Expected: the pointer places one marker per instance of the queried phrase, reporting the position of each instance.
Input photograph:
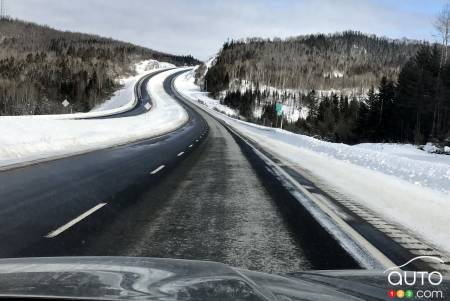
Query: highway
(201, 192)
(195, 193)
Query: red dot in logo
(392, 294)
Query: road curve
(196, 193)
(141, 95)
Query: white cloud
(200, 27)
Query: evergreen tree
(387, 114)
(421, 98)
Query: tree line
(413, 109)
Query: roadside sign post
(65, 104)
(279, 110)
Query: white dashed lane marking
(158, 169)
(74, 221)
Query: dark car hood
(126, 278)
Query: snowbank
(24, 139)
(404, 185)
(406, 151)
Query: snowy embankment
(406, 186)
(25, 139)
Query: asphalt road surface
(195, 193)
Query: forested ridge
(408, 87)
(348, 60)
(41, 66)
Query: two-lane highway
(196, 193)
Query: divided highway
(195, 193)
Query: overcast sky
(199, 27)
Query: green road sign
(279, 108)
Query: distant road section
(123, 98)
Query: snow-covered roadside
(397, 182)
(406, 151)
(24, 139)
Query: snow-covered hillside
(403, 184)
(25, 139)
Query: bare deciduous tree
(350, 62)
(442, 24)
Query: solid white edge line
(180, 154)
(63, 228)
(157, 170)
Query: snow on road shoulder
(186, 84)
(401, 184)
(28, 139)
